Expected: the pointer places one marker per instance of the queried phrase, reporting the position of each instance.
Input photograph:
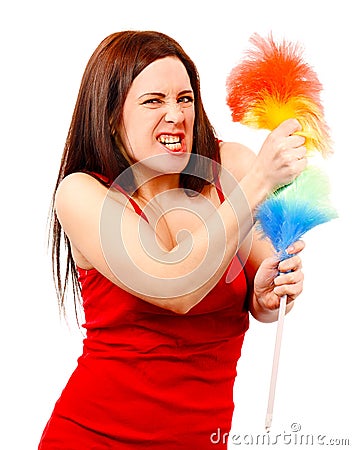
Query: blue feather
(295, 209)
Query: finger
(296, 247)
(288, 127)
(295, 141)
(288, 279)
(290, 290)
(290, 264)
(300, 152)
(299, 166)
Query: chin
(166, 163)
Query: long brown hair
(93, 146)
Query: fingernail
(290, 249)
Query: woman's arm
(258, 256)
(113, 239)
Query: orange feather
(274, 83)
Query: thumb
(271, 262)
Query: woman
(157, 217)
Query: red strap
(136, 207)
(217, 182)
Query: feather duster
(274, 83)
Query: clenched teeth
(172, 142)
(168, 139)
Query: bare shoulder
(236, 158)
(77, 189)
(72, 182)
(78, 202)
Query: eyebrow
(160, 94)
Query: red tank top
(150, 378)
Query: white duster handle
(271, 397)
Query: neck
(157, 185)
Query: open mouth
(171, 142)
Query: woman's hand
(282, 155)
(273, 280)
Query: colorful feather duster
(273, 83)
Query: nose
(174, 113)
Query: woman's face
(158, 115)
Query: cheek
(135, 137)
(190, 121)
(189, 116)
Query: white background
(45, 46)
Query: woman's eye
(152, 101)
(184, 101)
(187, 99)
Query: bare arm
(169, 278)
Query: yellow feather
(269, 111)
